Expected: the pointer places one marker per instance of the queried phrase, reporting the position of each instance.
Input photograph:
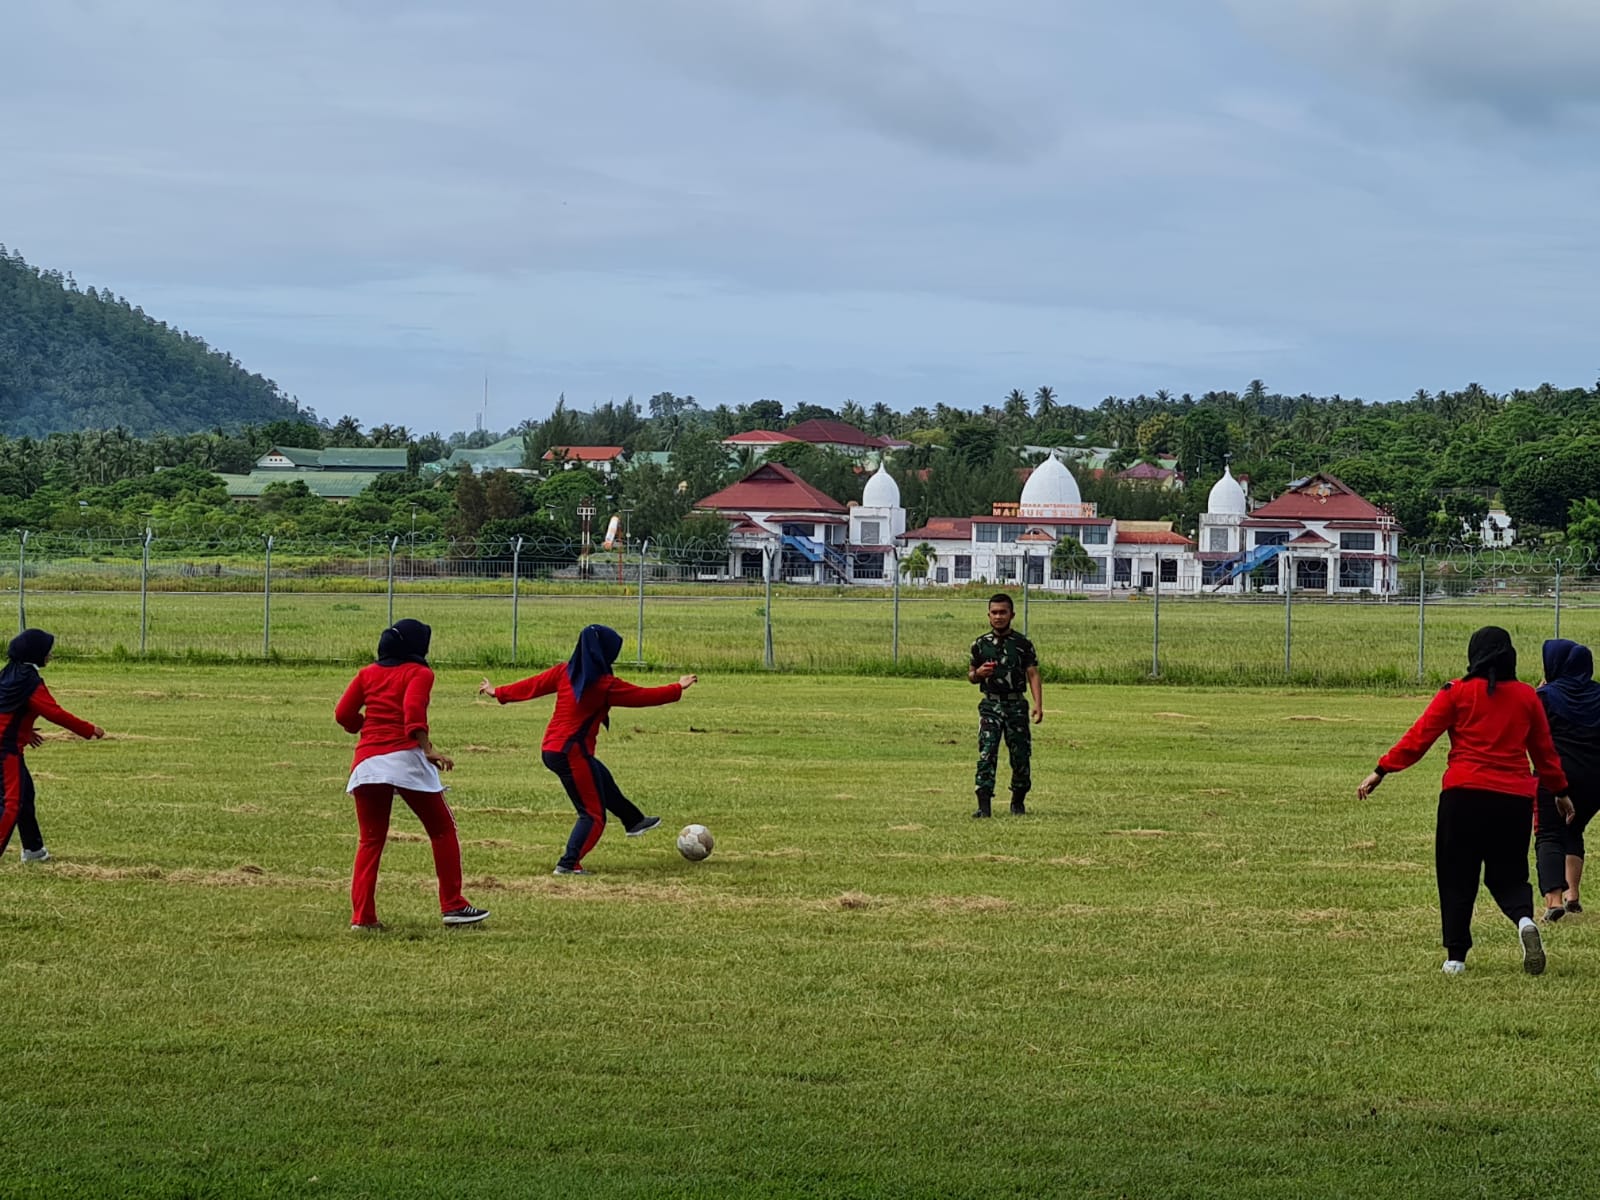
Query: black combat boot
(1018, 808)
(983, 804)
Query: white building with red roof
(605, 459)
(1319, 534)
(1016, 543)
(780, 524)
(759, 440)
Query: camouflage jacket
(1012, 656)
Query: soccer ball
(695, 842)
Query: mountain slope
(72, 359)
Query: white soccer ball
(695, 842)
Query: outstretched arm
(44, 704)
(542, 684)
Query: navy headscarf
(1569, 690)
(598, 647)
(20, 678)
(1491, 656)
(406, 641)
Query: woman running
(387, 705)
(1571, 701)
(585, 692)
(1486, 807)
(23, 700)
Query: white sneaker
(1454, 966)
(42, 854)
(1532, 947)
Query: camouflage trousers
(1004, 717)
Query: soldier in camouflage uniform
(1006, 670)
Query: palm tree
(1069, 560)
(917, 564)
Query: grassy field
(1199, 968)
(1203, 641)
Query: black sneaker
(465, 916)
(1552, 915)
(1574, 907)
(1018, 809)
(644, 826)
(982, 813)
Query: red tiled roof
(1309, 539)
(584, 453)
(1321, 497)
(757, 437)
(1151, 537)
(942, 529)
(771, 487)
(819, 430)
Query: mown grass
(1199, 968)
(1204, 641)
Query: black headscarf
(1569, 690)
(1491, 656)
(406, 641)
(598, 647)
(20, 678)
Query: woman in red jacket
(395, 754)
(23, 700)
(585, 692)
(1486, 808)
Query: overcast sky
(377, 202)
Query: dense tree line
(78, 359)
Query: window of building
(1355, 572)
(868, 566)
(963, 567)
(1169, 570)
(1122, 570)
(986, 533)
(871, 531)
(1035, 570)
(1217, 539)
(1311, 574)
(941, 574)
(1005, 567)
(1094, 535)
(750, 564)
(1098, 575)
(1272, 537)
(1358, 541)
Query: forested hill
(84, 359)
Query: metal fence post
(771, 563)
(1024, 593)
(266, 609)
(516, 574)
(393, 542)
(144, 591)
(1422, 617)
(22, 587)
(1155, 633)
(1558, 597)
(894, 637)
(638, 640)
(1287, 576)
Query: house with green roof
(336, 473)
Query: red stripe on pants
(373, 804)
(589, 793)
(11, 782)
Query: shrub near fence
(205, 599)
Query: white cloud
(1527, 59)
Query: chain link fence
(519, 602)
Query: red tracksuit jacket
(17, 727)
(396, 700)
(575, 721)
(1491, 739)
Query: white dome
(881, 490)
(1050, 485)
(1227, 497)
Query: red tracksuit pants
(373, 804)
(16, 787)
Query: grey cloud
(868, 62)
(1526, 59)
